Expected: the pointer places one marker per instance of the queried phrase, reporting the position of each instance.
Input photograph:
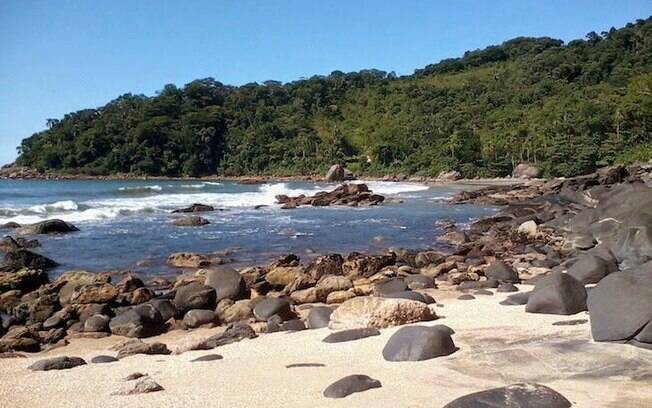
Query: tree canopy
(565, 107)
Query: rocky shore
(575, 252)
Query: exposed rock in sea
(22, 258)
(54, 226)
(195, 208)
(192, 221)
(352, 195)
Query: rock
(557, 293)
(513, 396)
(188, 260)
(309, 295)
(134, 347)
(480, 284)
(591, 269)
(319, 316)
(192, 221)
(140, 295)
(199, 317)
(325, 265)
(97, 323)
(507, 287)
(57, 363)
(194, 208)
(454, 238)
(139, 321)
(234, 333)
(339, 296)
(134, 376)
(103, 359)
(526, 171)
(410, 295)
(269, 307)
(335, 173)
(528, 228)
(330, 283)
(239, 311)
(426, 258)
(195, 296)
(22, 280)
(54, 226)
(303, 365)
(416, 343)
(466, 297)
(283, 275)
(502, 272)
(415, 282)
(517, 299)
(390, 286)
(22, 258)
(620, 305)
(165, 308)
(452, 175)
(26, 344)
(292, 325)
(351, 334)
(93, 293)
(378, 312)
(366, 265)
(207, 357)
(349, 385)
(143, 386)
(227, 282)
(10, 225)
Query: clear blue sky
(61, 56)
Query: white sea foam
(67, 205)
(391, 187)
(141, 188)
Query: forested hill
(567, 107)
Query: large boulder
(620, 305)
(199, 317)
(591, 269)
(513, 396)
(416, 343)
(195, 296)
(139, 321)
(557, 293)
(357, 264)
(133, 347)
(502, 272)
(23, 280)
(227, 282)
(330, 264)
(349, 385)
(335, 173)
(526, 171)
(319, 316)
(22, 258)
(188, 260)
(367, 311)
(234, 333)
(48, 227)
(93, 293)
(269, 307)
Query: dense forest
(568, 108)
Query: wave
(138, 189)
(67, 205)
(391, 187)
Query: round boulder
(557, 293)
(416, 343)
(198, 317)
(195, 296)
(513, 396)
(502, 272)
(269, 307)
(227, 282)
(318, 317)
(349, 385)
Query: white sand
(499, 345)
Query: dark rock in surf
(54, 226)
(194, 208)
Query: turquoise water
(123, 222)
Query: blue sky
(61, 56)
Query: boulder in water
(54, 226)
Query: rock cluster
(352, 195)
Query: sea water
(124, 222)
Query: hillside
(566, 107)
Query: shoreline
(477, 290)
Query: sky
(62, 56)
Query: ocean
(124, 222)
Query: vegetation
(565, 107)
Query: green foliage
(567, 108)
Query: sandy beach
(498, 345)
